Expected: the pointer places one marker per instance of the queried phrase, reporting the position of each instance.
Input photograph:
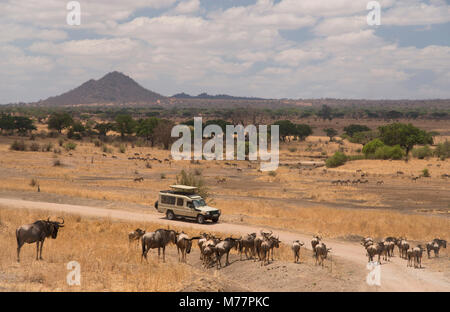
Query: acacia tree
(331, 133)
(146, 128)
(163, 132)
(59, 121)
(405, 135)
(125, 124)
(104, 128)
(303, 131)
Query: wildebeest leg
(19, 245)
(37, 250)
(164, 253)
(40, 251)
(227, 263)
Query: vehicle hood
(207, 209)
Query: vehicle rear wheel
(170, 215)
(200, 219)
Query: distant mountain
(214, 97)
(115, 88)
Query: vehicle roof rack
(184, 188)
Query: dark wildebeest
(266, 246)
(36, 233)
(184, 244)
(223, 248)
(247, 243)
(158, 239)
(135, 235)
(435, 245)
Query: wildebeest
(320, 253)
(247, 244)
(184, 244)
(266, 246)
(135, 235)
(158, 239)
(315, 241)
(223, 248)
(36, 233)
(296, 249)
(435, 245)
(417, 253)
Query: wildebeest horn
(62, 220)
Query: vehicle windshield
(199, 203)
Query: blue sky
(261, 48)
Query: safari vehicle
(182, 201)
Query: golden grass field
(279, 201)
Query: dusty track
(395, 276)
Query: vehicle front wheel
(170, 215)
(200, 219)
(215, 220)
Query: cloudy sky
(263, 48)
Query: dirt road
(395, 276)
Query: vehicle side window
(190, 204)
(179, 201)
(169, 200)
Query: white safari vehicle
(183, 202)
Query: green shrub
(292, 149)
(372, 146)
(338, 159)
(426, 173)
(189, 178)
(389, 152)
(422, 152)
(272, 173)
(122, 148)
(70, 146)
(443, 150)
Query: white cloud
(240, 50)
(186, 7)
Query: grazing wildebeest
(247, 243)
(135, 235)
(435, 245)
(36, 233)
(184, 244)
(296, 249)
(223, 248)
(158, 239)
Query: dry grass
(339, 222)
(112, 179)
(101, 247)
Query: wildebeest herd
(259, 247)
(413, 255)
